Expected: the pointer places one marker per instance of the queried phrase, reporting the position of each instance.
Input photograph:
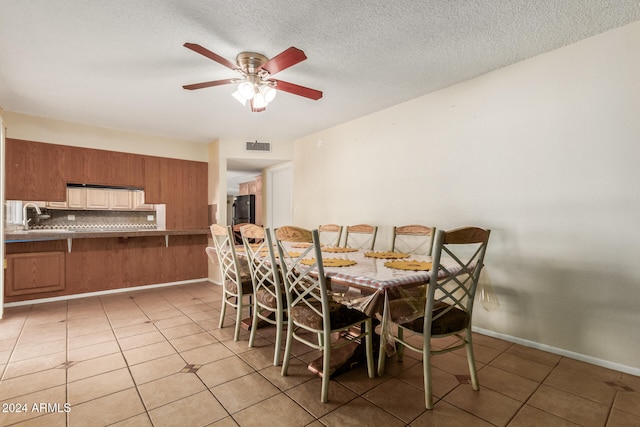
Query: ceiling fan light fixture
(259, 101)
(245, 90)
(268, 93)
(239, 97)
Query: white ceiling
(121, 64)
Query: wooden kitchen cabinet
(137, 199)
(76, 197)
(97, 198)
(34, 273)
(120, 199)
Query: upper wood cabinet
(40, 171)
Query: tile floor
(156, 357)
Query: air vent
(258, 146)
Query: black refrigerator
(244, 209)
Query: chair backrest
(302, 270)
(330, 234)
(361, 236)
(231, 269)
(258, 245)
(458, 257)
(413, 239)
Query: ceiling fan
(255, 84)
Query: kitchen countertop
(42, 235)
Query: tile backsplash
(94, 219)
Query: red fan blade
(256, 110)
(206, 52)
(297, 89)
(209, 84)
(284, 60)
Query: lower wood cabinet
(33, 273)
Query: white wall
(22, 126)
(545, 154)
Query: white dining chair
(448, 301)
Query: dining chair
(361, 236)
(457, 261)
(413, 239)
(330, 234)
(268, 293)
(312, 310)
(236, 277)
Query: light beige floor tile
(622, 419)
(308, 396)
(359, 412)
(169, 389)
(107, 410)
(90, 339)
(243, 392)
(173, 321)
(534, 354)
(186, 329)
(581, 385)
(297, 371)
(23, 352)
(141, 340)
(392, 397)
(54, 395)
(529, 416)
(224, 370)
(588, 369)
(487, 404)
(446, 415)
(148, 352)
(47, 419)
(524, 367)
(37, 364)
(141, 420)
(94, 351)
(565, 405)
(512, 385)
(157, 368)
(99, 365)
(206, 354)
(196, 410)
(628, 401)
(97, 386)
(139, 327)
(26, 384)
(272, 412)
(189, 342)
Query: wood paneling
(35, 273)
(40, 171)
(116, 263)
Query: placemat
(411, 265)
(386, 255)
(330, 262)
(337, 250)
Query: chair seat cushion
(340, 315)
(247, 286)
(267, 298)
(450, 322)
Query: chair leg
(326, 366)
(223, 310)
(400, 345)
(254, 323)
(236, 334)
(426, 365)
(279, 325)
(472, 362)
(287, 348)
(369, 349)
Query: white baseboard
(106, 292)
(562, 352)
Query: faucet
(25, 220)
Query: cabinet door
(97, 198)
(138, 202)
(119, 199)
(32, 273)
(76, 198)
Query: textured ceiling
(121, 64)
